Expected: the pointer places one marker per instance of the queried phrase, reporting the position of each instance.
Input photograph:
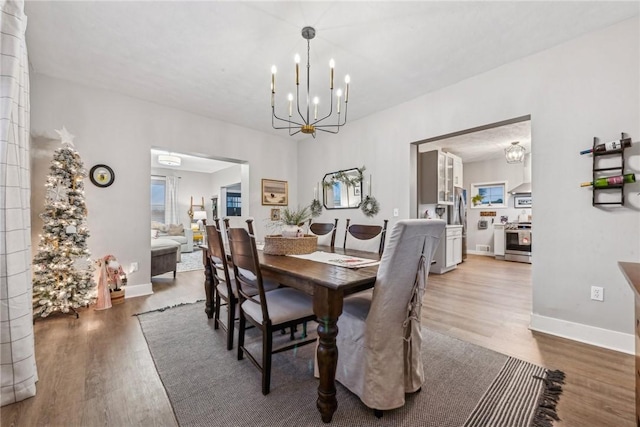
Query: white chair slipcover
(379, 337)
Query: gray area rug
(466, 385)
(190, 261)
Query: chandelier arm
(298, 103)
(338, 125)
(329, 131)
(330, 109)
(273, 115)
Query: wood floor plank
(97, 370)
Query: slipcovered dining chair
(326, 232)
(268, 311)
(369, 238)
(225, 289)
(380, 337)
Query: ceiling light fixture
(306, 125)
(169, 160)
(514, 153)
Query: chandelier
(514, 153)
(302, 120)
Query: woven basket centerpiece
(278, 245)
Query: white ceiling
(214, 58)
(190, 162)
(484, 144)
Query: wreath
(370, 206)
(316, 208)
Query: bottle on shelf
(611, 181)
(609, 146)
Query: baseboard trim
(137, 290)
(592, 335)
(480, 253)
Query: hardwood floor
(488, 302)
(97, 370)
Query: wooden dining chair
(380, 337)
(268, 311)
(327, 229)
(225, 288)
(368, 238)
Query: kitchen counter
(449, 252)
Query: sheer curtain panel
(171, 201)
(17, 353)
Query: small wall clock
(102, 176)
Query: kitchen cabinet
(498, 241)
(438, 173)
(457, 171)
(449, 252)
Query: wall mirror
(342, 189)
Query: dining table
(328, 284)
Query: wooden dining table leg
(327, 306)
(208, 284)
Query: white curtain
(17, 351)
(171, 215)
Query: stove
(518, 236)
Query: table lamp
(200, 217)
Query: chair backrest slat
(244, 256)
(217, 254)
(366, 232)
(324, 228)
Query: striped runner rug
(465, 385)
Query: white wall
(119, 131)
(584, 88)
(224, 178)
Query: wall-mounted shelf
(603, 172)
(607, 171)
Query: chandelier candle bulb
(315, 108)
(609, 146)
(339, 95)
(347, 80)
(297, 61)
(273, 78)
(611, 181)
(290, 97)
(332, 65)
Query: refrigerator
(458, 215)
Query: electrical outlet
(597, 293)
(396, 212)
(134, 267)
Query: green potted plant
(293, 219)
(477, 199)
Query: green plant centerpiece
(292, 220)
(292, 240)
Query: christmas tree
(63, 273)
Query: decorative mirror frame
(354, 186)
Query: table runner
(338, 259)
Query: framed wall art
(275, 193)
(522, 201)
(275, 214)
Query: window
(489, 195)
(158, 190)
(234, 204)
